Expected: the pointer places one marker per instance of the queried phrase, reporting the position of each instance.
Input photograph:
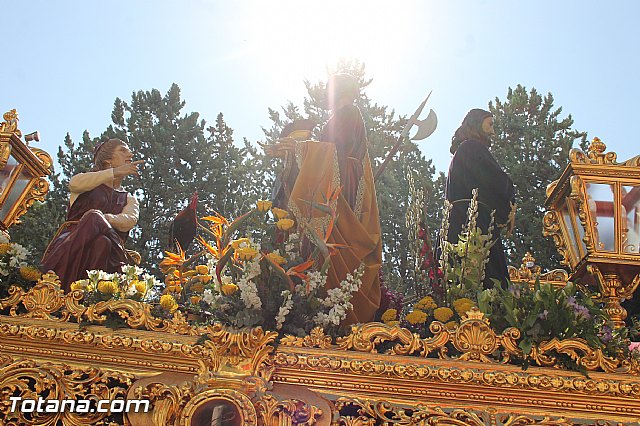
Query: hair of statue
(471, 128)
(103, 153)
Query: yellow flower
(30, 273)
(202, 269)
(426, 303)
(416, 317)
(276, 258)
(188, 274)
(229, 289)
(4, 248)
(205, 278)
(393, 323)
(195, 299)
(285, 224)
(174, 288)
(263, 205)
(168, 303)
(240, 243)
(79, 285)
(247, 253)
(141, 286)
(389, 315)
(443, 314)
(279, 213)
(107, 287)
(463, 305)
(451, 325)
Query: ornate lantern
(22, 171)
(594, 218)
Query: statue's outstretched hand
(127, 169)
(280, 148)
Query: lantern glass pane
(600, 199)
(570, 232)
(22, 182)
(579, 236)
(6, 174)
(630, 223)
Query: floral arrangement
(132, 283)
(256, 274)
(539, 312)
(14, 266)
(543, 312)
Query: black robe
(473, 166)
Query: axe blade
(426, 127)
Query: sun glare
(298, 40)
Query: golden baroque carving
(236, 353)
(274, 412)
(44, 301)
(474, 340)
(28, 379)
(551, 228)
(595, 154)
(10, 124)
(370, 412)
(315, 339)
(44, 157)
(37, 192)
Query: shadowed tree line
(183, 153)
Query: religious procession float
(268, 319)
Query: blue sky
(65, 62)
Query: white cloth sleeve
(84, 182)
(126, 220)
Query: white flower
(132, 271)
(338, 300)
(96, 276)
(18, 252)
(3, 239)
(284, 309)
(132, 290)
(207, 296)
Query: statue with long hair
(99, 218)
(473, 166)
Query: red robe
(86, 241)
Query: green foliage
(544, 312)
(464, 270)
(532, 144)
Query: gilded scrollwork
(236, 353)
(595, 154)
(551, 228)
(168, 401)
(315, 339)
(38, 189)
(373, 412)
(475, 339)
(273, 411)
(28, 379)
(44, 158)
(10, 123)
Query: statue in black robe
(473, 166)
